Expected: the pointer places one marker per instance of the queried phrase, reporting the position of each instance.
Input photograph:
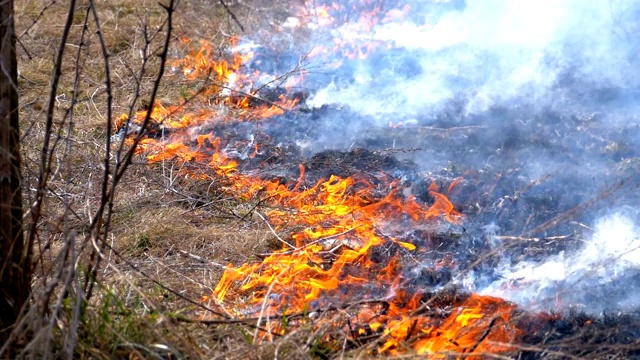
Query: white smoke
(592, 278)
(556, 55)
(493, 52)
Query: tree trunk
(15, 262)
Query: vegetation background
(121, 258)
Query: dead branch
(105, 203)
(37, 18)
(310, 314)
(274, 232)
(233, 16)
(575, 211)
(200, 259)
(531, 239)
(45, 152)
(289, 252)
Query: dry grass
(170, 236)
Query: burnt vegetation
(155, 156)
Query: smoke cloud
(494, 52)
(554, 85)
(542, 97)
(602, 276)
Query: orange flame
(480, 325)
(342, 220)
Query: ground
(167, 231)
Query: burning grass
(348, 252)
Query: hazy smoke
(602, 276)
(554, 86)
(488, 52)
(566, 57)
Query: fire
(481, 324)
(201, 62)
(329, 264)
(336, 213)
(230, 94)
(330, 260)
(355, 41)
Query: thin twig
(274, 232)
(289, 252)
(35, 21)
(313, 314)
(105, 203)
(484, 336)
(45, 151)
(202, 260)
(25, 49)
(576, 210)
(156, 282)
(262, 309)
(255, 206)
(533, 239)
(233, 16)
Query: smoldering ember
(448, 178)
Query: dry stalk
(274, 232)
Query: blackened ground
(581, 336)
(538, 177)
